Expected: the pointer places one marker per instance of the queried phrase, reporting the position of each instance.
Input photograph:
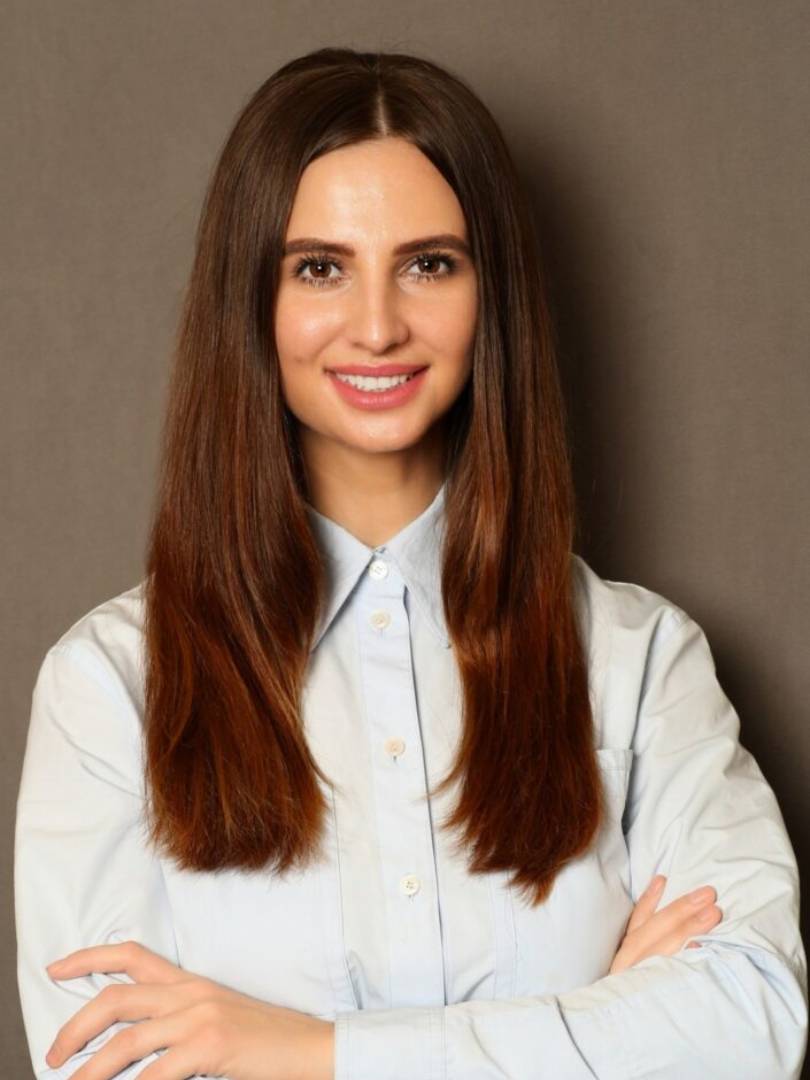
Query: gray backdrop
(665, 144)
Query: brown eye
(320, 261)
(434, 258)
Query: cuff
(387, 1044)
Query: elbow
(771, 991)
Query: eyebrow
(410, 247)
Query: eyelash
(321, 258)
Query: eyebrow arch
(313, 243)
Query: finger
(650, 940)
(700, 923)
(672, 918)
(116, 1002)
(646, 903)
(130, 957)
(176, 1064)
(137, 1042)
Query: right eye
(317, 260)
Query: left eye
(432, 259)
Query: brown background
(665, 145)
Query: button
(380, 619)
(395, 747)
(410, 884)
(378, 569)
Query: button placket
(403, 814)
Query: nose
(375, 320)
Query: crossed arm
(699, 810)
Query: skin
(205, 1028)
(665, 932)
(373, 472)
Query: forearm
(322, 1066)
(732, 1014)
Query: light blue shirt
(429, 972)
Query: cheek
(449, 327)
(301, 342)
(298, 388)
(301, 329)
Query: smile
(383, 392)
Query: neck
(373, 496)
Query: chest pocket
(571, 939)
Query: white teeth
(368, 382)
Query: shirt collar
(416, 549)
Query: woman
(369, 776)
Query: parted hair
(235, 580)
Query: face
(363, 288)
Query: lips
(403, 391)
(378, 370)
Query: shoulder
(106, 645)
(620, 606)
(87, 704)
(624, 626)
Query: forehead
(385, 188)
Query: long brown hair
(235, 579)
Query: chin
(386, 442)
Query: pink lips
(379, 369)
(378, 399)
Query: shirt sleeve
(700, 811)
(82, 873)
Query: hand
(664, 933)
(204, 1027)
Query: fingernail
(657, 883)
